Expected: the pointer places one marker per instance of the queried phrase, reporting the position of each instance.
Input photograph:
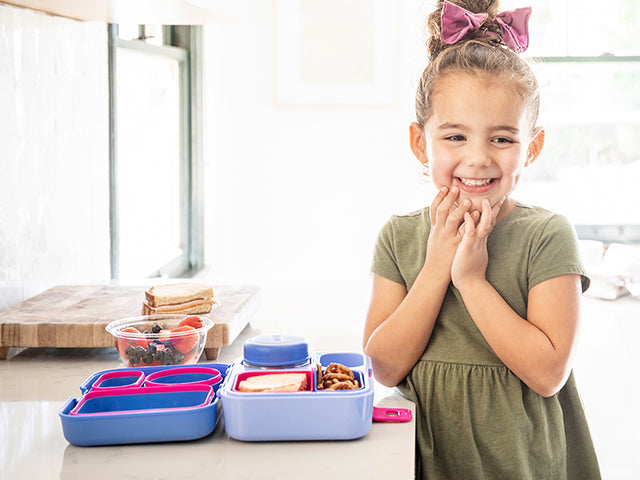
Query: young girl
(475, 303)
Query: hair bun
(435, 43)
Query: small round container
(184, 376)
(273, 351)
(163, 345)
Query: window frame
(628, 233)
(184, 45)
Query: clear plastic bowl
(166, 347)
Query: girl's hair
(477, 52)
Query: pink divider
(244, 375)
(117, 378)
(123, 391)
(211, 376)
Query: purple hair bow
(457, 22)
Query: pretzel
(336, 377)
(338, 368)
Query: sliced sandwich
(275, 382)
(180, 298)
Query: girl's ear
(418, 144)
(535, 146)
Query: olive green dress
(474, 418)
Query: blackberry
(156, 328)
(151, 348)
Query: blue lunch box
(312, 414)
(117, 408)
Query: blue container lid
(276, 350)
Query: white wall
(54, 217)
(296, 193)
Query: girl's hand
(447, 220)
(471, 258)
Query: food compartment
(339, 372)
(131, 400)
(119, 379)
(185, 376)
(342, 385)
(273, 382)
(169, 425)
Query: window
(154, 205)
(588, 66)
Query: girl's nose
(478, 156)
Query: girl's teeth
(472, 182)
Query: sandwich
(179, 298)
(275, 382)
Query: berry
(133, 339)
(193, 321)
(178, 357)
(186, 340)
(159, 355)
(156, 328)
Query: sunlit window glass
(148, 172)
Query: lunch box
(148, 404)
(311, 414)
(176, 403)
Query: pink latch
(391, 414)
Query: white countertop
(34, 384)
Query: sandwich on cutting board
(181, 298)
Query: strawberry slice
(164, 335)
(185, 341)
(193, 321)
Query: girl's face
(478, 138)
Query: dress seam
(467, 364)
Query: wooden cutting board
(76, 316)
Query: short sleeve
(556, 253)
(385, 262)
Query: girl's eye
(455, 138)
(502, 140)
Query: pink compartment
(244, 375)
(184, 376)
(119, 379)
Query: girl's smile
(478, 138)
(474, 185)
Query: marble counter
(34, 384)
